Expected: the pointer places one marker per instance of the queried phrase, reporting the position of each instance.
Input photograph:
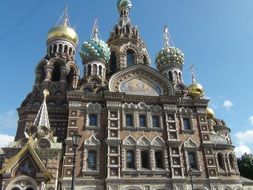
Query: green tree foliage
(245, 164)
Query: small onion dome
(63, 32)
(95, 49)
(169, 55)
(209, 113)
(196, 90)
(121, 4)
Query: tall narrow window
(93, 120)
(221, 161)
(192, 160)
(159, 159)
(56, 75)
(186, 123)
(145, 159)
(92, 159)
(130, 57)
(113, 62)
(142, 120)
(89, 70)
(155, 121)
(129, 120)
(170, 76)
(231, 161)
(130, 159)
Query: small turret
(95, 56)
(195, 89)
(170, 60)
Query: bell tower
(127, 47)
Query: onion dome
(195, 89)
(168, 55)
(121, 4)
(95, 49)
(209, 113)
(63, 31)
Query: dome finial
(166, 37)
(193, 74)
(95, 30)
(66, 17)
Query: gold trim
(27, 148)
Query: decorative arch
(40, 71)
(129, 141)
(140, 80)
(158, 142)
(143, 141)
(190, 144)
(92, 141)
(16, 182)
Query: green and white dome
(169, 55)
(95, 49)
(121, 4)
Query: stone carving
(190, 144)
(129, 141)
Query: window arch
(130, 57)
(113, 62)
(100, 70)
(170, 76)
(65, 49)
(221, 161)
(56, 74)
(231, 161)
(60, 48)
(89, 70)
(70, 76)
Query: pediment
(140, 80)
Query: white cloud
(241, 149)
(227, 104)
(8, 120)
(5, 140)
(251, 120)
(245, 137)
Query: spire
(95, 30)
(166, 39)
(64, 19)
(41, 119)
(193, 74)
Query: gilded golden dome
(63, 32)
(196, 90)
(209, 113)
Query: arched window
(56, 75)
(50, 49)
(127, 29)
(192, 160)
(221, 161)
(145, 60)
(130, 57)
(70, 51)
(100, 70)
(231, 161)
(95, 68)
(70, 76)
(130, 159)
(89, 70)
(65, 49)
(60, 48)
(113, 62)
(180, 77)
(55, 48)
(92, 159)
(170, 76)
(159, 159)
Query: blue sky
(216, 36)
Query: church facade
(141, 128)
